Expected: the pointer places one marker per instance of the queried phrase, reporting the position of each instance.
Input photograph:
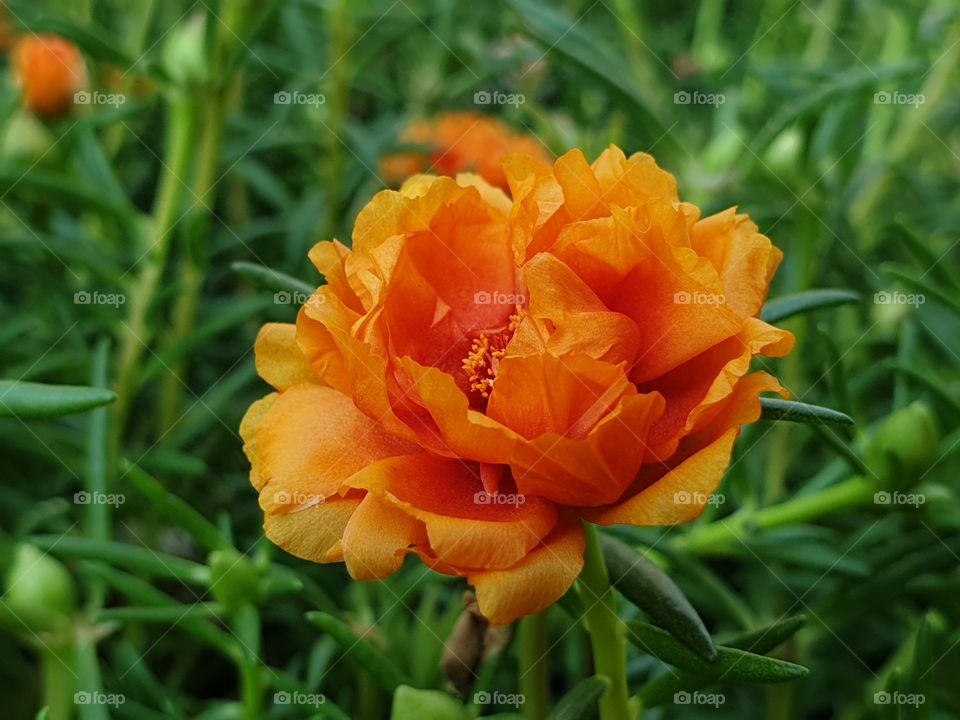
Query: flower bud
(235, 578)
(38, 588)
(184, 54)
(49, 70)
(902, 447)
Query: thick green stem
(58, 682)
(607, 634)
(534, 680)
(136, 331)
(716, 537)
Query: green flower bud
(235, 578)
(39, 589)
(903, 447)
(184, 54)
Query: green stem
(58, 682)
(607, 634)
(534, 681)
(136, 331)
(718, 536)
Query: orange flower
(479, 375)
(460, 142)
(49, 69)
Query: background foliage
(833, 123)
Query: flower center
(486, 351)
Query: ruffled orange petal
(329, 258)
(677, 497)
(377, 539)
(745, 259)
(309, 440)
(278, 359)
(249, 432)
(312, 533)
(536, 581)
(465, 526)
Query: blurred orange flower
(480, 374)
(460, 142)
(49, 70)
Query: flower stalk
(534, 679)
(607, 633)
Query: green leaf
(732, 664)
(138, 559)
(650, 589)
(177, 511)
(792, 411)
(363, 652)
(166, 614)
(783, 307)
(269, 279)
(581, 700)
(38, 401)
(766, 639)
(413, 704)
(945, 297)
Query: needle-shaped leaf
(365, 655)
(581, 700)
(270, 279)
(649, 588)
(783, 307)
(39, 401)
(792, 411)
(732, 664)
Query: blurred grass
(860, 194)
